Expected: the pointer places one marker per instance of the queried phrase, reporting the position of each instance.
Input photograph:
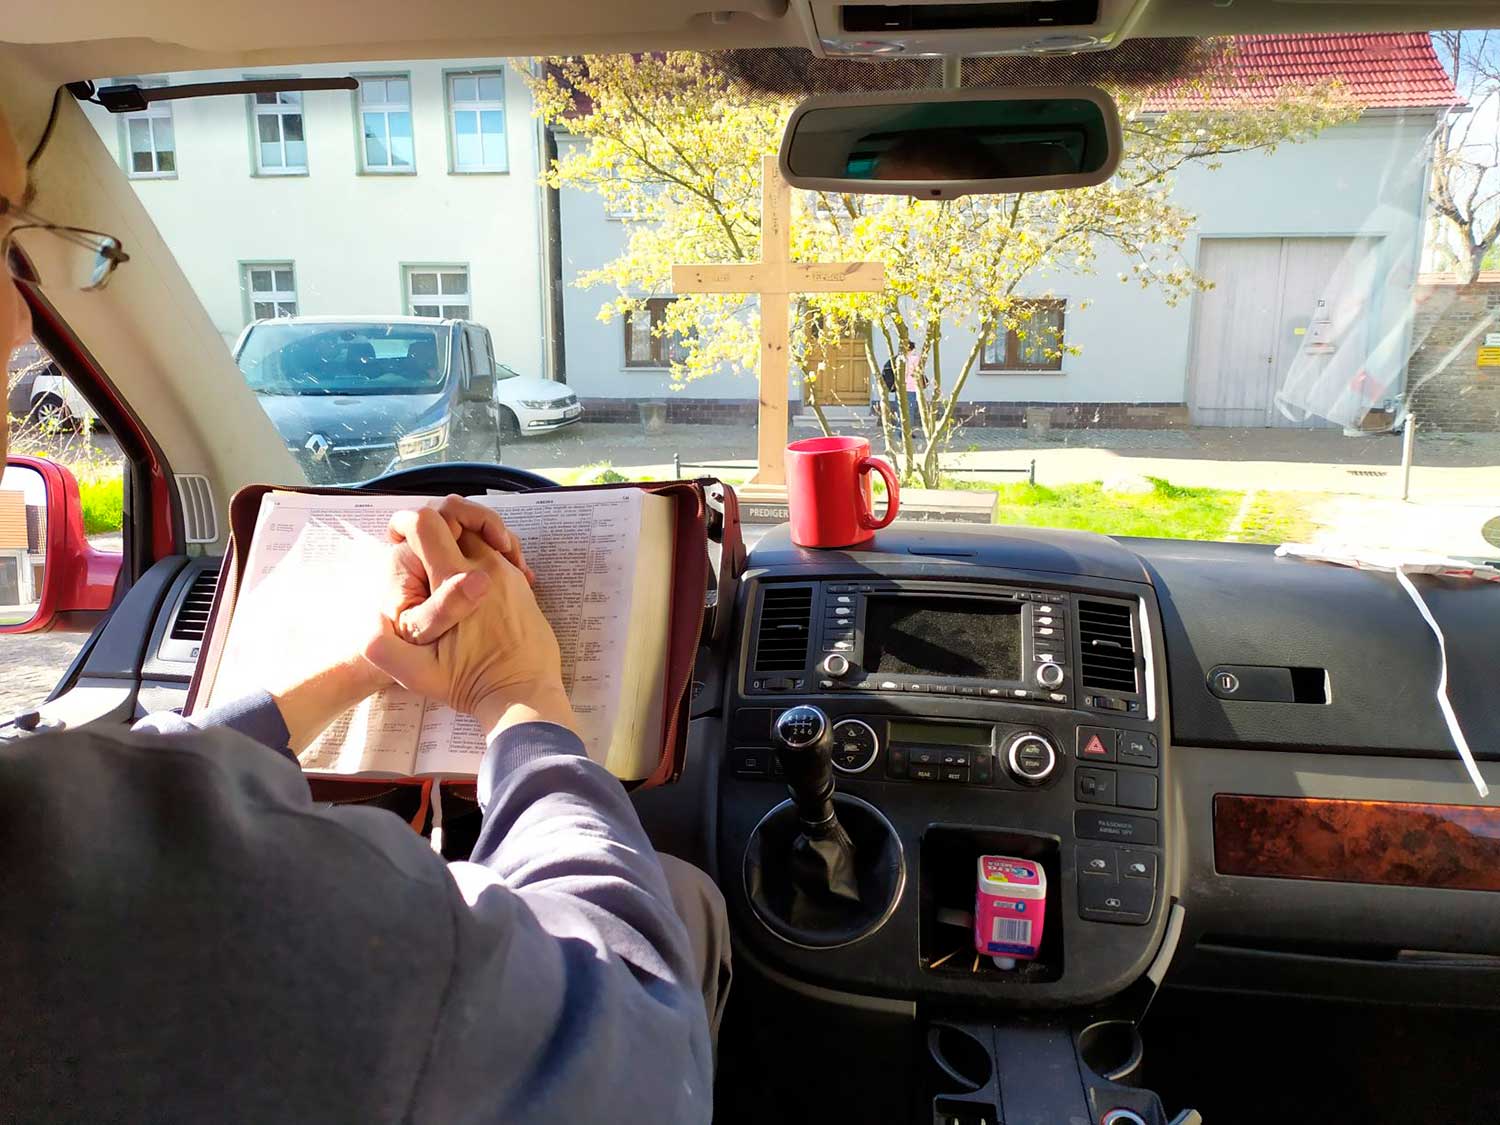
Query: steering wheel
(462, 477)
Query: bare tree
(1465, 189)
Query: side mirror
(49, 575)
(481, 388)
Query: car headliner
(152, 36)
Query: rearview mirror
(942, 144)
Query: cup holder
(1112, 1049)
(963, 1063)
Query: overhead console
(991, 694)
(965, 27)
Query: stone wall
(1463, 397)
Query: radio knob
(1031, 758)
(1049, 675)
(836, 664)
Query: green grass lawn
(1167, 511)
(103, 500)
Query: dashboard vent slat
(192, 615)
(781, 639)
(1106, 637)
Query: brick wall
(1064, 415)
(1464, 397)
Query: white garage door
(1248, 328)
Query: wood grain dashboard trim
(1393, 843)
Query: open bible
(604, 568)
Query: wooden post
(774, 278)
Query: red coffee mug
(828, 492)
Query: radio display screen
(929, 636)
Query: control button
(994, 691)
(752, 761)
(1116, 900)
(841, 610)
(895, 763)
(1053, 598)
(940, 689)
(1098, 860)
(842, 646)
(1025, 596)
(1031, 758)
(1058, 696)
(836, 664)
(956, 773)
(1095, 786)
(1043, 630)
(779, 683)
(825, 683)
(914, 686)
(984, 768)
(1137, 864)
(955, 758)
(926, 757)
(964, 689)
(1137, 791)
(1108, 703)
(855, 745)
(1044, 657)
(1122, 828)
(842, 589)
(843, 599)
(1097, 744)
(890, 685)
(925, 773)
(1137, 748)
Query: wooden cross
(775, 277)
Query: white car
(55, 401)
(534, 405)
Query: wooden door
(1251, 325)
(1234, 355)
(845, 375)
(1330, 279)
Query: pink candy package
(1010, 907)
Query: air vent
(200, 523)
(197, 603)
(785, 622)
(1106, 646)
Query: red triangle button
(1093, 748)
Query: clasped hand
(457, 623)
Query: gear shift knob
(804, 746)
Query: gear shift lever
(804, 747)
(823, 869)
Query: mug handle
(867, 518)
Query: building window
(645, 343)
(385, 124)
(280, 145)
(272, 289)
(438, 291)
(1035, 344)
(150, 145)
(476, 110)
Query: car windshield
(1279, 320)
(343, 359)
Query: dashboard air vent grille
(192, 614)
(1106, 646)
(785, 624)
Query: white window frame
(280, 110)
(276, 297)
(153, 113)
(384, 109)
(441, 303)
(476, 106)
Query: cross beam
(774, 278)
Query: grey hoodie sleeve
(567, 991)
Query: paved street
(32, 665)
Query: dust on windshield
(1229, 340)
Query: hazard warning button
(1097, 744)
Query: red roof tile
(1380, 71)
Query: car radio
(942, 638)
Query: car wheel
(48, 413)
(509, 427)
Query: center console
(983, 696)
